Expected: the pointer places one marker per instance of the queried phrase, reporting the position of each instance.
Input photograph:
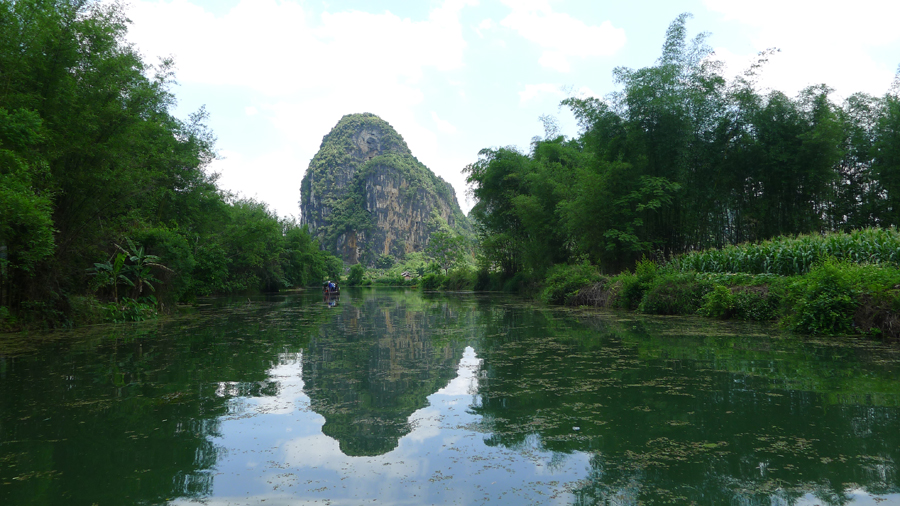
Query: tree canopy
(92, 158)
(683, 159)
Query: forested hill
(682, 159)
(365, 196)
(106, 206)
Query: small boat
(330, 288)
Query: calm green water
(394, 397)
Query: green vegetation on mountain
(365, 195)
(106, 207)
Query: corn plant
(790, 256)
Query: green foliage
(132, 267)
(823, 301)
(789, 256)
(456, 280)
(719, 303)
(683, 161)
(523, 283)
(432, 281)
(673, 293)
(384, 262)
(7, 320)
(26, 225)
(333, 266)
(131, 310)
(460, 279)
(756, 303)
(630, 288)
(357, 273)
(334, 189)
(171, 249)
(488, 281)
(841, 297)
(446, 247)
(564, 281)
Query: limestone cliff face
(365, 195)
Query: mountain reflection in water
(371, 367)
(402, 398)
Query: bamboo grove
(104, 194)
(682, 159)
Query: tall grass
(793, 256)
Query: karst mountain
(365, 195)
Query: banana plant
(132, 267)
(111, 272)
(140, 268)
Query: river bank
(818, 284)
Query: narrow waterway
(398, 397)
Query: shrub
(86, 310)
(357, 273)
(629, 288)
(130, 310)
(757, 303)
(7, 320)
(839, 296)
(599, 294)
(432, 281)
(564, 281)
(823, 300)
(628, 291)
(460, 279)
(674, 293)
(173, 251)
(719, 303)
(522, 283)
(384, 262)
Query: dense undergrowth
(833, 284)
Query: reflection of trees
(375, 364)
(666, 415)
(128, 415)
(715, 420)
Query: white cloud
(273, 177)
(555, 60)
(277, 48)
(560, 35)
(868, 22)
(818, 44)
(532, 91)
(442, 125)
(305, 72)
(466, 380)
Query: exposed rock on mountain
(365, 195)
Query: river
(395, 397)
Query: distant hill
(365, 194)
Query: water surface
(395, 397)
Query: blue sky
(456, 76)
